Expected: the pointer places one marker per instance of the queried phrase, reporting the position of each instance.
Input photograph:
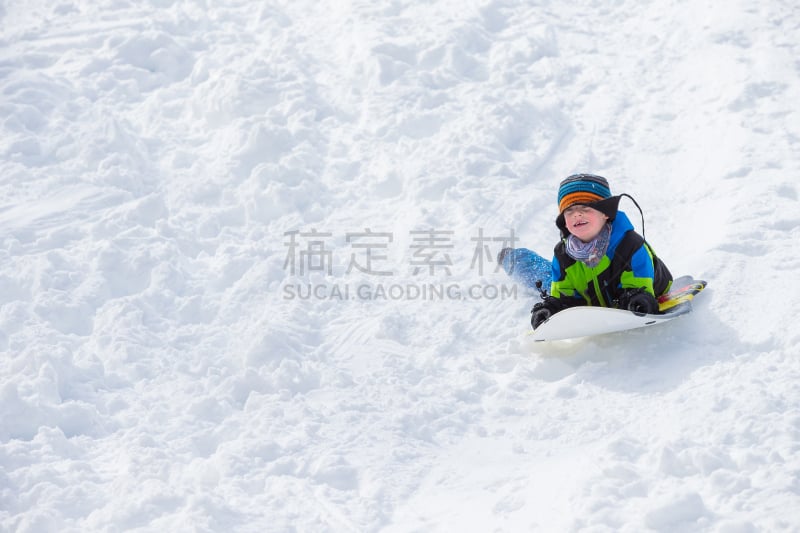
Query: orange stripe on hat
(578, 197)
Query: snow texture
(248, 283)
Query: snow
(247, 278)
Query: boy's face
(584, 222)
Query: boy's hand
(638, 301)
(544, 310)
(538, 316)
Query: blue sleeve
(641, 273)
(555, 272)
(527, 267)
(642, 264)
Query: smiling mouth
(579, 224)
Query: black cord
(641, 213)
(630, 259)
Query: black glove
(539, 316)
(638, 301)
(544, 310)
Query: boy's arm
(640, 276)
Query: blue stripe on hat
(584, 183)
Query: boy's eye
(578, 209)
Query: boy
(600, 259)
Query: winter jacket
(629, 263)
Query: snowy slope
(246, 278)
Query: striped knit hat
(586, 189)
